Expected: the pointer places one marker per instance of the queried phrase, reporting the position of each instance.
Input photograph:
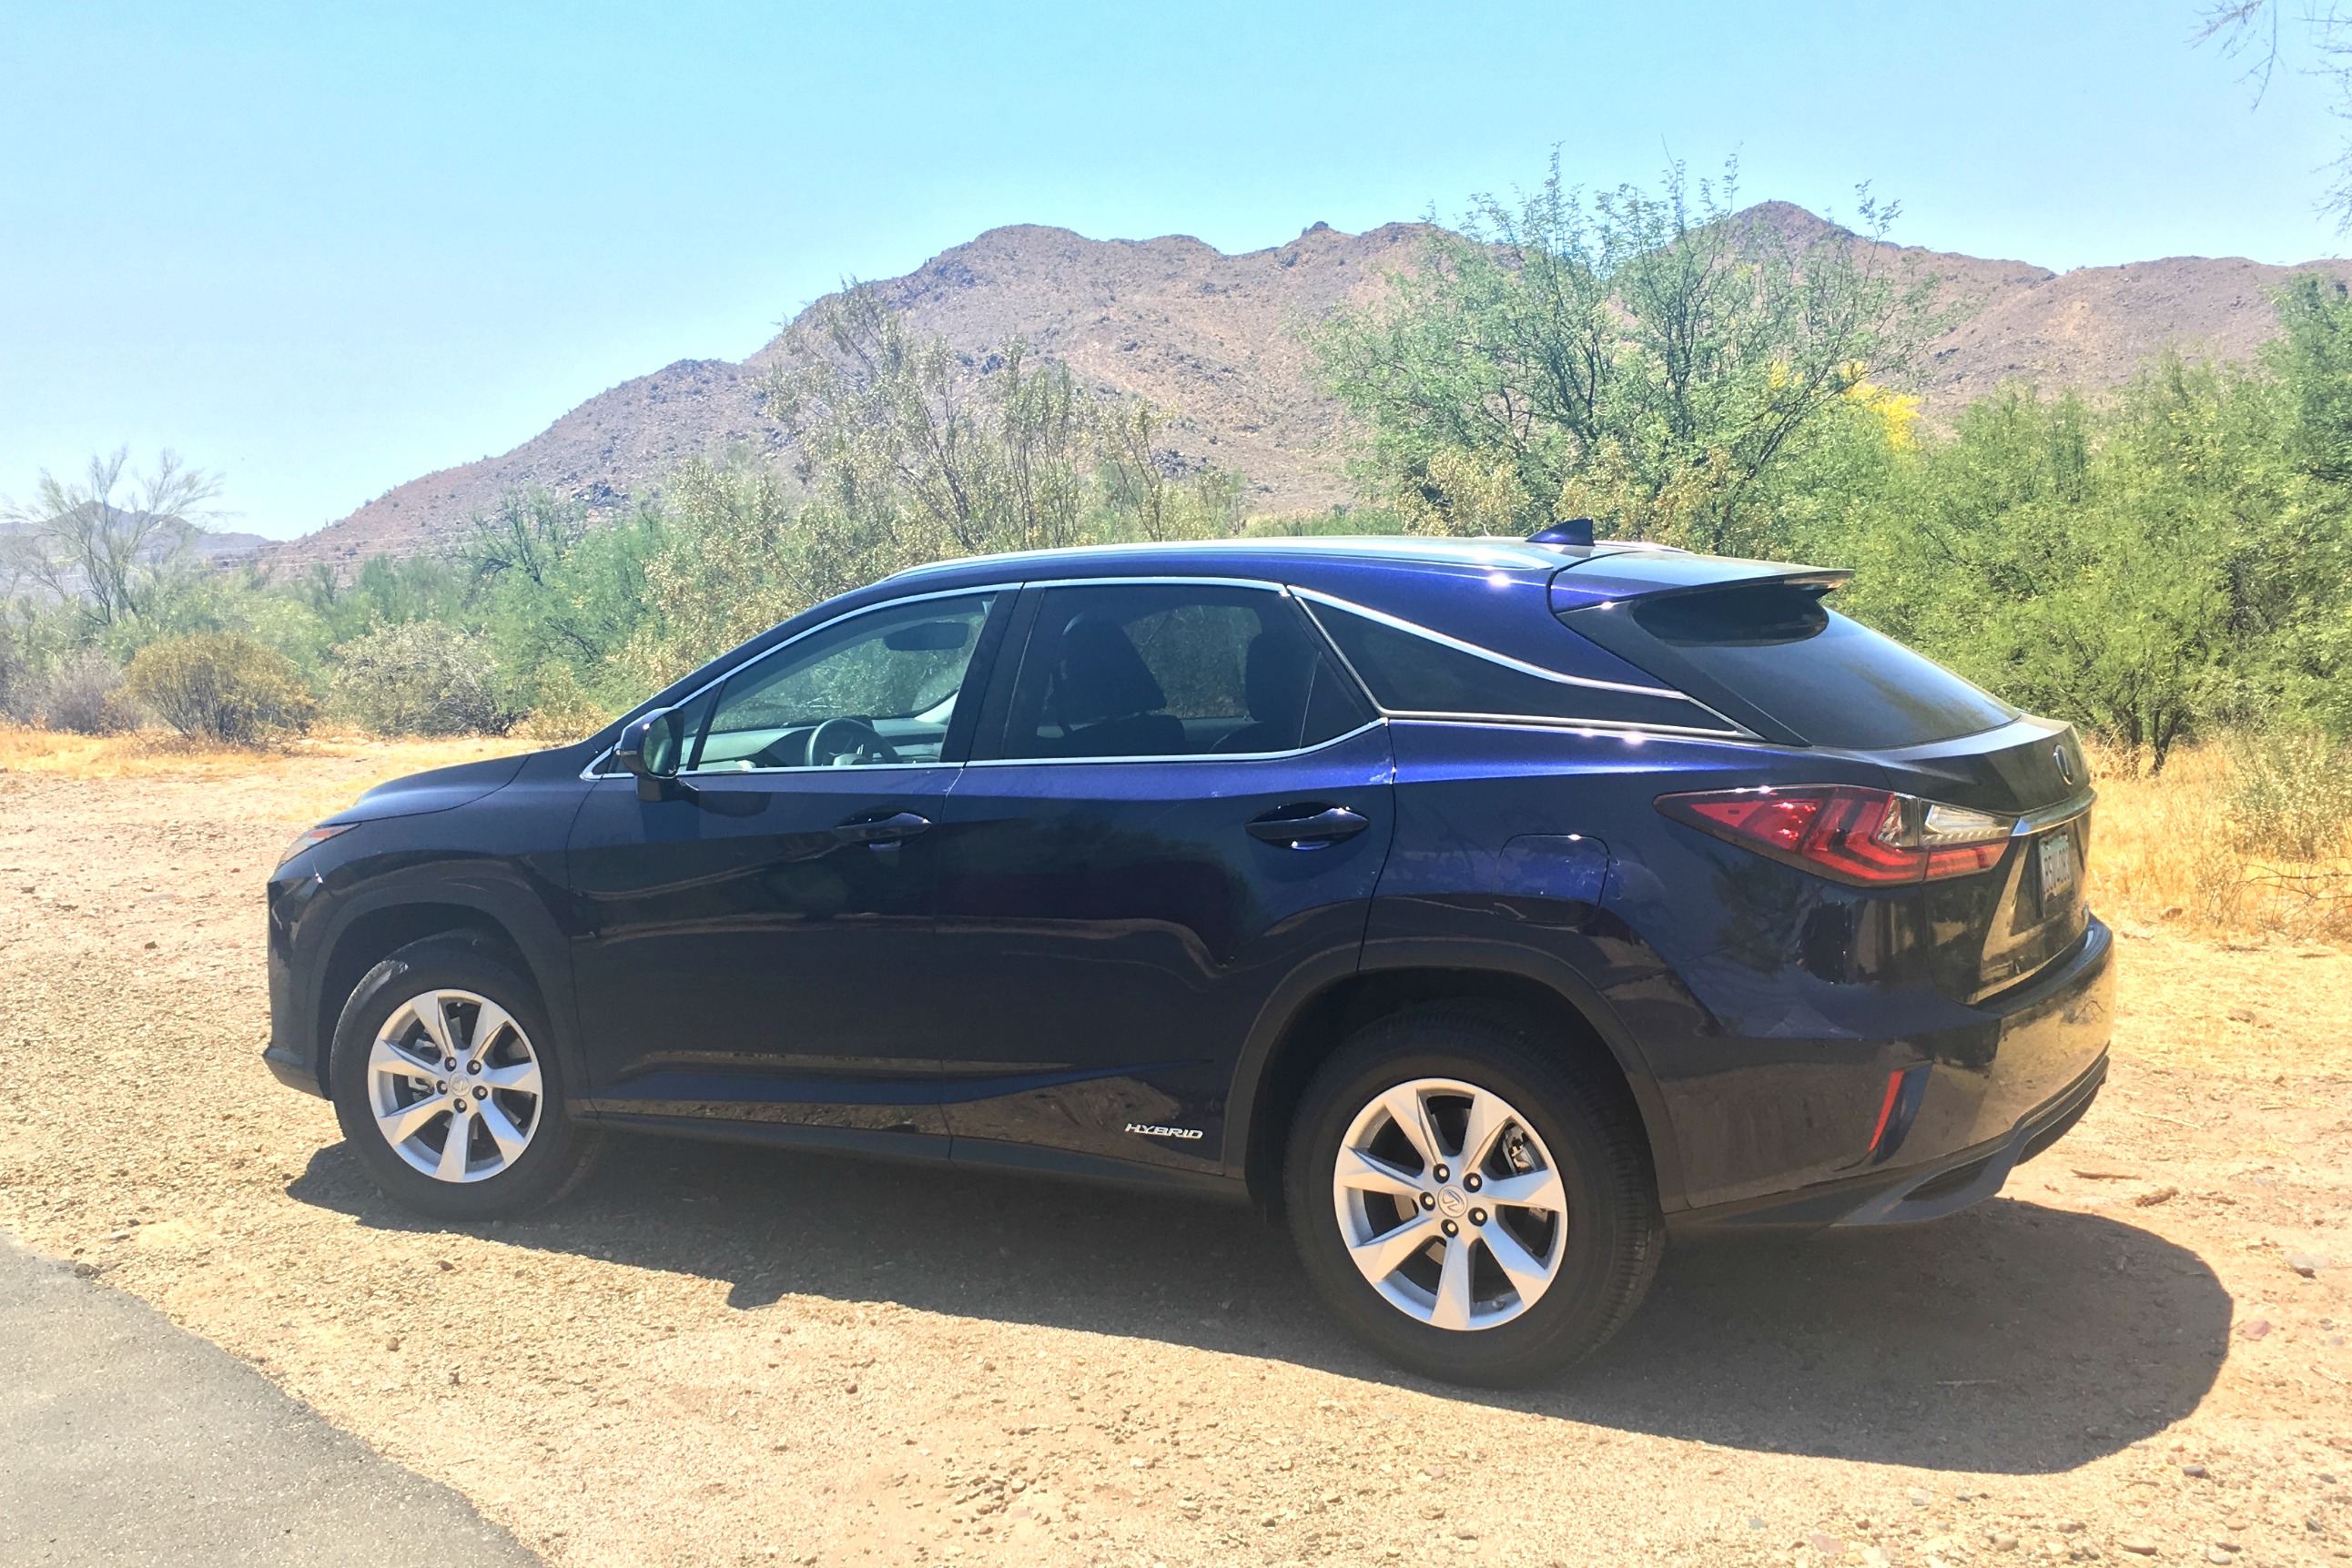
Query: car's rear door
(1176, 814)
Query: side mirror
(651, 747)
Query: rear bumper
(2058, 1018)
(1931, 1192)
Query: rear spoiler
(1603, 578)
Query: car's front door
(1177, 814)
(759, 947)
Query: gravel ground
(722, 1356)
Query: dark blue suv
(1489, 908)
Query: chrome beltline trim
(1594, 726)
(2048, 817)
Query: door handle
(889, 828)
(1303, 828)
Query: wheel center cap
(1451, 1203)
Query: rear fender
(1468, 961)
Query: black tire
(1615, 1232)
(560, 1151)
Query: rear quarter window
(1409, 673)
(1777, 649)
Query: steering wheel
(839, 742)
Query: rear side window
(1118, 670)
(1777, 648)
(1412, 673)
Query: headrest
(1100, 675)
(1275, 674)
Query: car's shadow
(2011, 1338)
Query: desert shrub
(561, 712)
(83, 695)
(2291, 796)
(422, 678)
(16, 681)
(220, 685)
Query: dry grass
(334, 770)
(2193, 845)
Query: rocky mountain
(1212, 338)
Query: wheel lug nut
(1472, 1181)
(440, 1086)
(1450, 1229)
(473, 1067)
(1440, 1173)
(1429, 1201)
(480, 1092)
(1477, 1217)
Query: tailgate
(1999, 929)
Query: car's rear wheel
(447, 1088)
(1478, 1205)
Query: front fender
(496, 863)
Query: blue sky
(324, 249)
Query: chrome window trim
(1475, 651)
(590, 773)
(1307, 597)
(1263, 584)
(1739, 732)
(1256, 584)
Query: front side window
(875, 690)
(1174, 670)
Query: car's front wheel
(447, 1090)
(1478, 1205)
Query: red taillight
(1871, 837)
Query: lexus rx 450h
(1490, 909)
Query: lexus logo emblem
(2065, 763)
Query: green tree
(555, 588)
(1650, 360)
(918, 454)
(113, 545)
(2147, 565)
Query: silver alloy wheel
(453, 1085)
(1450, 1205)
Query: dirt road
(716, 1355)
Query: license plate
(2057, 851)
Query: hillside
(1209, 337)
